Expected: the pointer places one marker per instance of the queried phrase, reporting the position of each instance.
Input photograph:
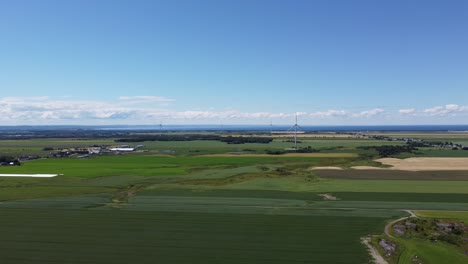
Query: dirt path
(389, 225)
(373, 252)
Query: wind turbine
(160, 128)
(295, 127)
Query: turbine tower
(294, 128)
(160, 128)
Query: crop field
(205, 204)
(336, 185)
(89, 236)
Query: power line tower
(295, 128)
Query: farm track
(373, 252)
(389, 225)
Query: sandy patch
(326, 168)
(30, 175)
(426, 164)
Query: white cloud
(369, 113)
(329, 113)
(409, 111)
(126, 110)
(347, 114)
(445, 110)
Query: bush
(308, 149)
(275, 152)
(6, 160)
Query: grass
(152, 165)
(430, 252)
(90, 236)
(443, 214)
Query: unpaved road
(389, 225)
(373, 252)
(376, 257)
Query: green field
(77, 236)
(189, 207)
(430, 252)
(444, 215)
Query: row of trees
(242, 140)
(387, 151)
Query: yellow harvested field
(421, 164)
(311, 155)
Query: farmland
(207, 201)
(93, 237)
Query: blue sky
(334, 62)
